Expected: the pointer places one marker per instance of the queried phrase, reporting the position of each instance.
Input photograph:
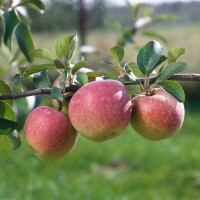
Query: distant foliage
(63, 15)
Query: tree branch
(178, 77)
(74, 88)
(41, 91)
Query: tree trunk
(82, 25)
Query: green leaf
(125, 79)
(147, 12)
(56, 93)
(133, 67)
(117, 26)
(24, 40)
(43, 54)
(7, 112)
(7, 118)
(41, 80)
(35, 68)
(163, 18)
(78, 66)
(131, 93)
(174, 53)
(7, 126)
(16, 80)
(117, 53)
(24, 18)
(154, 35)
(127, 36)
(34, 4)
(82, 78)
(161, 60)
(58, 64)
(5, 89)
(170, 70)
(135, 8)
(10, 21)
(62, 79)
(10, 142)
(94, 74)
(149, 56)
(65, 46)
(174, 89)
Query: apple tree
(146, 92)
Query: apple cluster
(99, 111)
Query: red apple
(158, 116)
(49, 133)
(100, 110)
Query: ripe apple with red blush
(49, 133)
(100, 110)
(157, 116)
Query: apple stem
(146, 84)
(70, 78)
(60, 105)
(148, 92)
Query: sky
(122, 2)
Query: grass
(127, 167)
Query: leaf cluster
(9, 139)
(151, 62)
(15, 23)
(60, 62)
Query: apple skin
(158, 116)
(49, 133)
(100, 110)
(68, 94)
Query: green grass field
(127, 167)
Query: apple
(100, 110)
(49, 133)
(69, 94)
(158, 116)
